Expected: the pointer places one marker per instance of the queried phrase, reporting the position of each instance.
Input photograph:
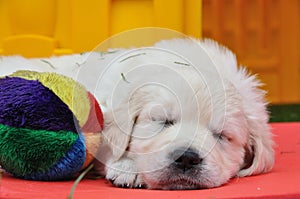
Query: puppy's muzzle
(185, 160)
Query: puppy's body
(180, 115)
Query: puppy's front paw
(123, 173)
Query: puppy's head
(190, 128)
(187, 141)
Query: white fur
(215, 108)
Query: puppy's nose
(187, 160)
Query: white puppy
(179, 115)
(182, 115)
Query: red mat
(282, 182)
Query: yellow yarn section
(70, 92)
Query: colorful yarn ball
(50, 126)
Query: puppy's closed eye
(165, 122)
(169, 123)
(221, 136)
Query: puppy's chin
(170, 179)
(178, 183)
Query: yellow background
(265, 34)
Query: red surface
(282, 182)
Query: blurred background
(265, 34)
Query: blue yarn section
(67, 166)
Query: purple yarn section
(29, 104)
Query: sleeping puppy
(181, 115)
(178, 115)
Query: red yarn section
(95, 120)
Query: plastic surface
(43, 28)
(265, 35)
(282, 182)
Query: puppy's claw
(123, 185)
(141, 186)
(126, 186)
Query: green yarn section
(24, 151)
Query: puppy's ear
(259, 153)
(117, 131)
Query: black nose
(187, 160)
